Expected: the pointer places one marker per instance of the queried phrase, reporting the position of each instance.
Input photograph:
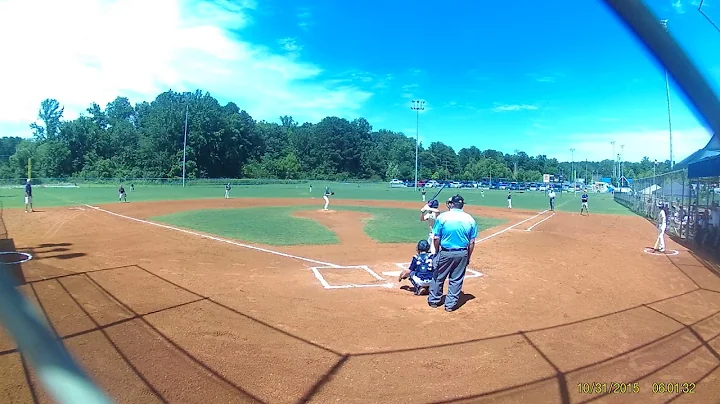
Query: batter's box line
(326, 285)
(469, 273)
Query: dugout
(704, 175)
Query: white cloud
(304, 19)
(678, 7)
(290, 46)
(638, 144)
(89, 51)
(514, 107)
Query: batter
(429, 214)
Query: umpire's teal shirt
(455, 229)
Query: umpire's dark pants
(449, 265)
(552, 203)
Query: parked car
(396, 184)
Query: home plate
(470, 273)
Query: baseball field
(182, 296)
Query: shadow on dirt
(560, 377)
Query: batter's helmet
(423, 246)
(433, 203)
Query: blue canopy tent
(707, 167)
(712, 149)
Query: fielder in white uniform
(429, 214)
(661, 226)
(326, 197)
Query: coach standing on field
(455, 232)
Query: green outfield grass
(48, 197)
(271, 226)
(277, 226)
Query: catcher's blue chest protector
(423, 266)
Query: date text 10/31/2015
(634, 388)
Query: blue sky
(538, 76)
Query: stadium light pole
(614, 166)
(572, 165)
(417, 106)
(667, 96)
(185, 142)
(622, 159)
(655, 172)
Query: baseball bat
(438, 192)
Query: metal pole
(614, 166)
(572, 165)
(622, 159)
(417, 106)
(185, 143)
(667, 95)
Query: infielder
(227, 190)
(428, 214)
(509, 201)
(123, 195)
(551, 195)
(28, 196)
(326, 197)
(584, 199)
(422, 191)
(661, 226)
(420, 271)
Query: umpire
(455, 233)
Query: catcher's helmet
(433, 203)
(423, 246)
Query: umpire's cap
(457, 200)
(423, 246)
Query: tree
(50, 114)
(147, 139)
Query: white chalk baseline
(324, 265)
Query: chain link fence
(692, 202)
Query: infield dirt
(157, 315)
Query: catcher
(428, 214)
(326, 196)
(420, 271)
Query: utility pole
(667, 95)
(185, 142)
(417, 106)
(614, 172)
(572, 166)
(622, 159)
(655, 172)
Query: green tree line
(146, 140)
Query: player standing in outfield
(326, 196)
(420, 271)
(551, 195)
(422, 191)
(661, 226)
(227, 190)
(28, 196)
(584, 199)
(123, 195)
(509, 201)
(429, 214)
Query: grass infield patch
(391, 225)
(270, 226)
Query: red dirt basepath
(158, 315)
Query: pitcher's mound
(327, 211)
